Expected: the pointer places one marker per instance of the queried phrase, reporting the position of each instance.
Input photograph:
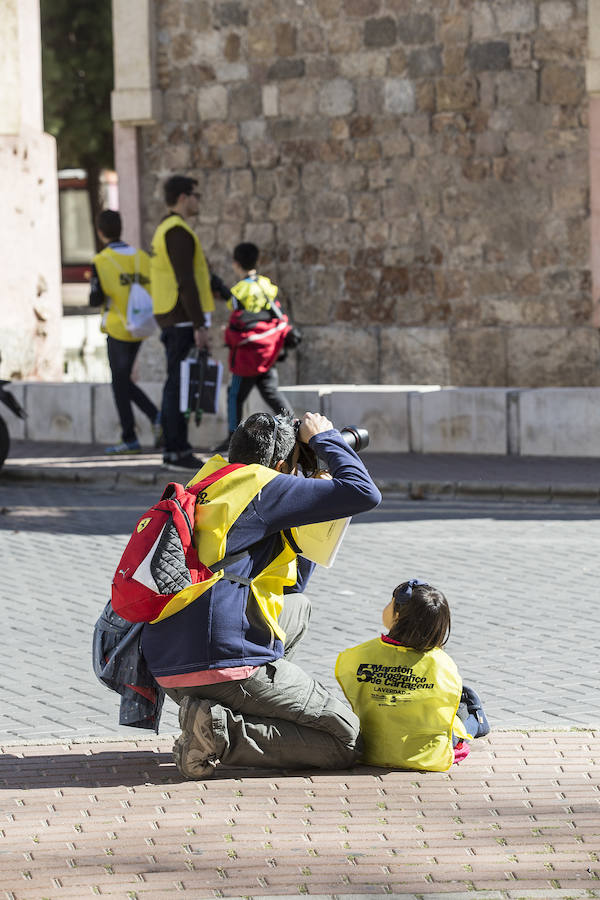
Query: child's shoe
(474, 708)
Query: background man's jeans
(177, 342)
(280, 717)
(121, 357)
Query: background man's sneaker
(182, 462)
(195, 750)
(125, 447)
(223, 447)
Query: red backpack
(160, 558)
(255, 340)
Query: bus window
(77, 232)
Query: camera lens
(356, 438)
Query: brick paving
(84, 813)
(520, 815)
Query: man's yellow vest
(254, 294)
(218, 507)
(116, 271)
(406, 701)
(164, 284)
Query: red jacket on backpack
(255, 340)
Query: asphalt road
(521, 579)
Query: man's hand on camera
(311, 424)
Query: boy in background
(255, 337)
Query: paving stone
(148, 836)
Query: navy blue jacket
(224, 627)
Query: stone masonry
(416, 176)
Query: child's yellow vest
(115, 271)
(164, 284)
(406, 701)
(254, 294)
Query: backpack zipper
(186, 517)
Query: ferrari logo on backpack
(142, 524)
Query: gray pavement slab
(522, 582)
(90, 807)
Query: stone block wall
(415, 175)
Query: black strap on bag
(228, 561)
(294, 336)
(196, 398)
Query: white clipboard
(321, 542)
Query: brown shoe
(195, 750)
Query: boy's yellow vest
(254, 294)
(164, 283)
(217, 509)
(115, 271)
(406, 701)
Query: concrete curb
(413, 490)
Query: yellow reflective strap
(221, 504)
(183, 598)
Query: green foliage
(77, 69)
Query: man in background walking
(183, 302)
(113, 271)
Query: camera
(356, 438)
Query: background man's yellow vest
(164, 284)
(406, 701)
(115, 271)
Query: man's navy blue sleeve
(288, 500)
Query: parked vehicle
(13, 404)
(77, 237)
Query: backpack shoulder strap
(214, 476)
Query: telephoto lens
(356, 438)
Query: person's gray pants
(280, 717)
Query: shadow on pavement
(128, 768)
(86, 509)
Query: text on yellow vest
(117, 272)
(406, 701)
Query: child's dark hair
(246, 256)
(422, 616)
(109, 223)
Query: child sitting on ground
(414, 711)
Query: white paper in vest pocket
(320, 543)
